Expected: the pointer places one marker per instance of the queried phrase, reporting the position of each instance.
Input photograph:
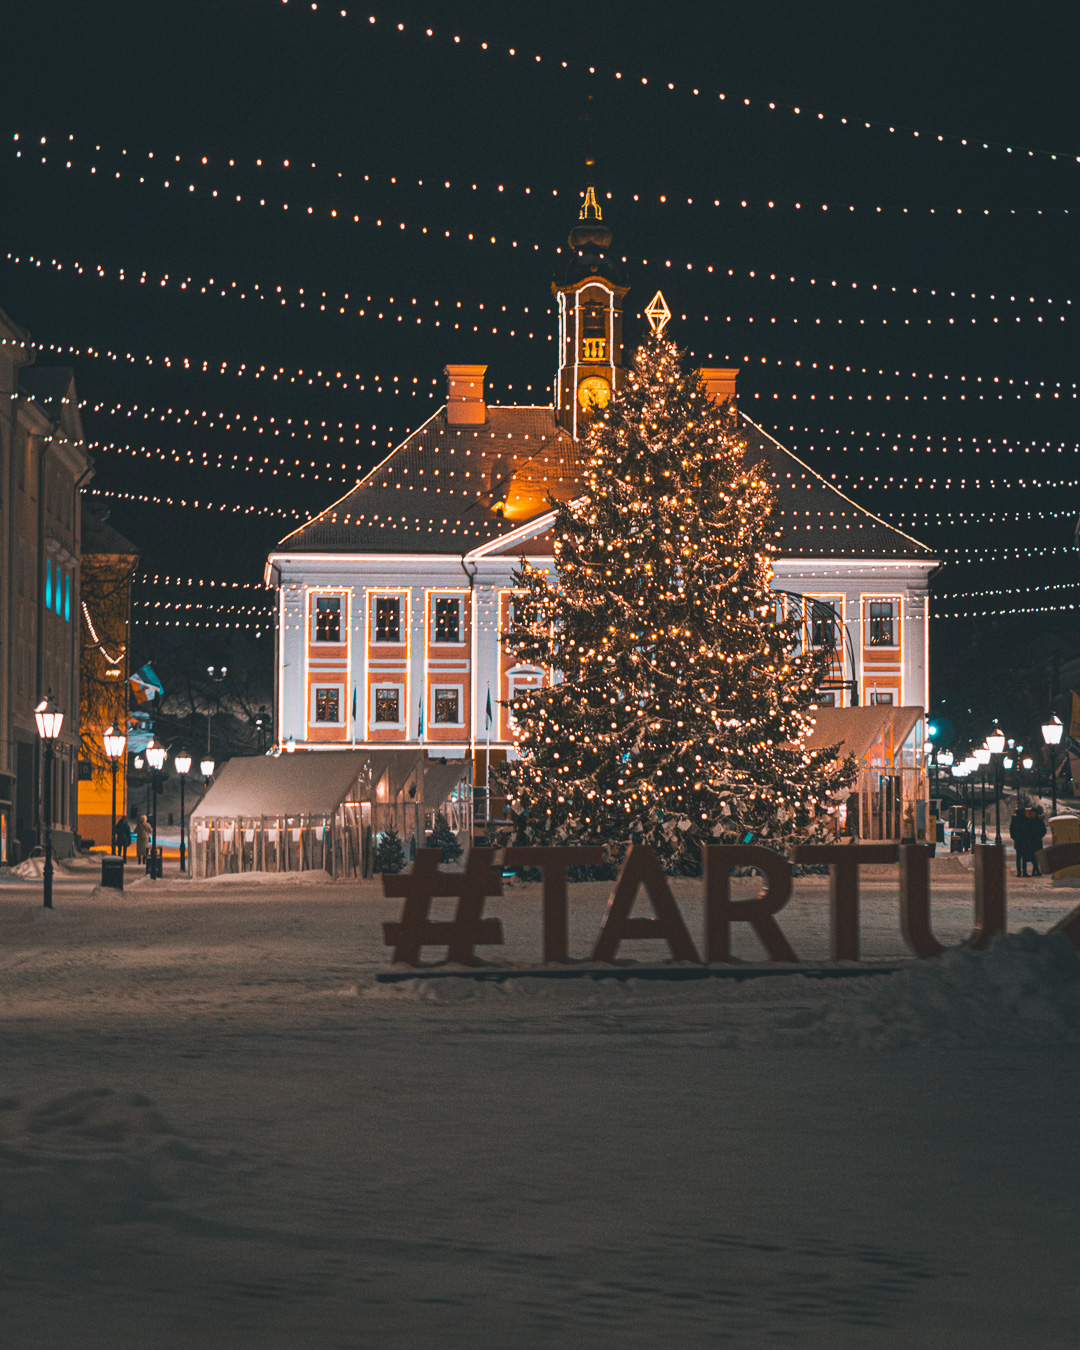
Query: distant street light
(49, 720)
(182, 762)
(982, 758)
(115, 743)
(155, 757)
(1052, 733)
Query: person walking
(142, 838)
(122, 837)
(1018, 828)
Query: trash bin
(112, 873)
(153, 864)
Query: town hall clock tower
(590, 299)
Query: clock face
(594, 392)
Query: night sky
(970, 446)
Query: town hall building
(390, 602)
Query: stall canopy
(293, 785)
(888, 798)
(324, 809)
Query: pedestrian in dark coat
(1036, 833)
(122, 837)
(1018, 829)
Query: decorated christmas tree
(679, 694)
(389, 852)
(443, 837)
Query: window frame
(373, 722)
(342, 637)
(402, 599)
(872, 619)
(433, 637)
(459, 690)
(313, 709)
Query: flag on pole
(354, 703)
(487, 714)
(421, 717)
(145, 685)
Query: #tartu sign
(470, 928)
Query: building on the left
(43, 470)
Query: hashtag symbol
(461, 934)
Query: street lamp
(982, 758)
(155, 757)
(183, 768)
(290, 746)
(206, 768)
(1052, 733)
(995, 743)
(49, 720)
(115, 743)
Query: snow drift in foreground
(95, 1155)
(1024, 988)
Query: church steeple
(589, 298)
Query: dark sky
(243, 80)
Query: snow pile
(1025, 987)
(183, 883)
(91, 1156)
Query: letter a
(642, 868)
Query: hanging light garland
(519, 56)
(158, 165)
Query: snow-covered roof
(454, 489)
(311, 783)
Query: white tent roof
(306, 783)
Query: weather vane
(657, 313)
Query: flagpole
(487, 763)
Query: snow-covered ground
(218, 1128)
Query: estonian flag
(354, 703)
(487, 715)
(421, 717)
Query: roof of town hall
(451, 489)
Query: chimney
(719, 382)
(465, 406)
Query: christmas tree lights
(680, 700)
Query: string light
(143, 579)
(343, 213)
(714, 96)
(231, 508)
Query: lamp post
(996, 745)
(49, 720)
(1052, 732)
(982, 758)
(155, 757)
(115, 744)
(183, 768)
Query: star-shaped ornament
(658, 314)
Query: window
(328, 704)
(593, 334)
(825, 698)
(388, 620)
(447, 619)
(822, 624)
(388, 704)
(881, 623)
(447, 706)
(881, 696)
(328, 618)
